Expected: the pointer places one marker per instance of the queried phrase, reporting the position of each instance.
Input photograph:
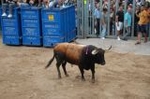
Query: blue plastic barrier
(0, 15)
(11, 28)
(52, 22)
(31, 26)
(38, 26)
(58, 23)
(12, 40)
(51, 41)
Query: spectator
(104, 21)
(143, 21)
(33, 2)
(97, 15)
(52, 3)
(112, 15)
(119, 21)
(136, 19)
(21, 3)
(45, 4)
(127, 23)
(11, 4)
(40, 3)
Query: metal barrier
(85, 19)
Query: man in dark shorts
(143, 21)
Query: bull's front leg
(93, 73)
(82, 73)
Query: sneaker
(103, 38)
(137, 43)
(4, 14)
(95, 31)
(124, 39)
(118, 38)
(10, 15)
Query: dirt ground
(22, 76)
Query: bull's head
(99, 55)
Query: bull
(85, 56)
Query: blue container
(53, 22)
(13, 31)
(0, 15)
(31, 21)
(11, 26)
(31, 41)
(30, 13)
(12, 40)
(51, 41)
(52, 29)
(29, 31)
(9, 21)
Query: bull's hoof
(83, 79)
(93, 80)
(67, 75)
(59, 77)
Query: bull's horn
(109, 48)
(94, 52)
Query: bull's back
(72, 52)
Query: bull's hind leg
(64, 68)
(59, 59)
(58, 70)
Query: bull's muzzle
(103, 63)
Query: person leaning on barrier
(143, 21)
(52, 3)
(45, 3)
(10, 4)
(22, 3)
(40, 3)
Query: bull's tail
(50, 61)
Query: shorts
(120, 26)
(141, 28)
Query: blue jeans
(9, 5)
(103, 34)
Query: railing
(86, 20)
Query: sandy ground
(22, 76)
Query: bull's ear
(95, 51)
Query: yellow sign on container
(51, 17)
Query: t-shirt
(144, 18)
(127, 18)
(120, 15)
(97, 14)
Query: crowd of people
(37, 3)
(122, 18)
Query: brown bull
(85, 56)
